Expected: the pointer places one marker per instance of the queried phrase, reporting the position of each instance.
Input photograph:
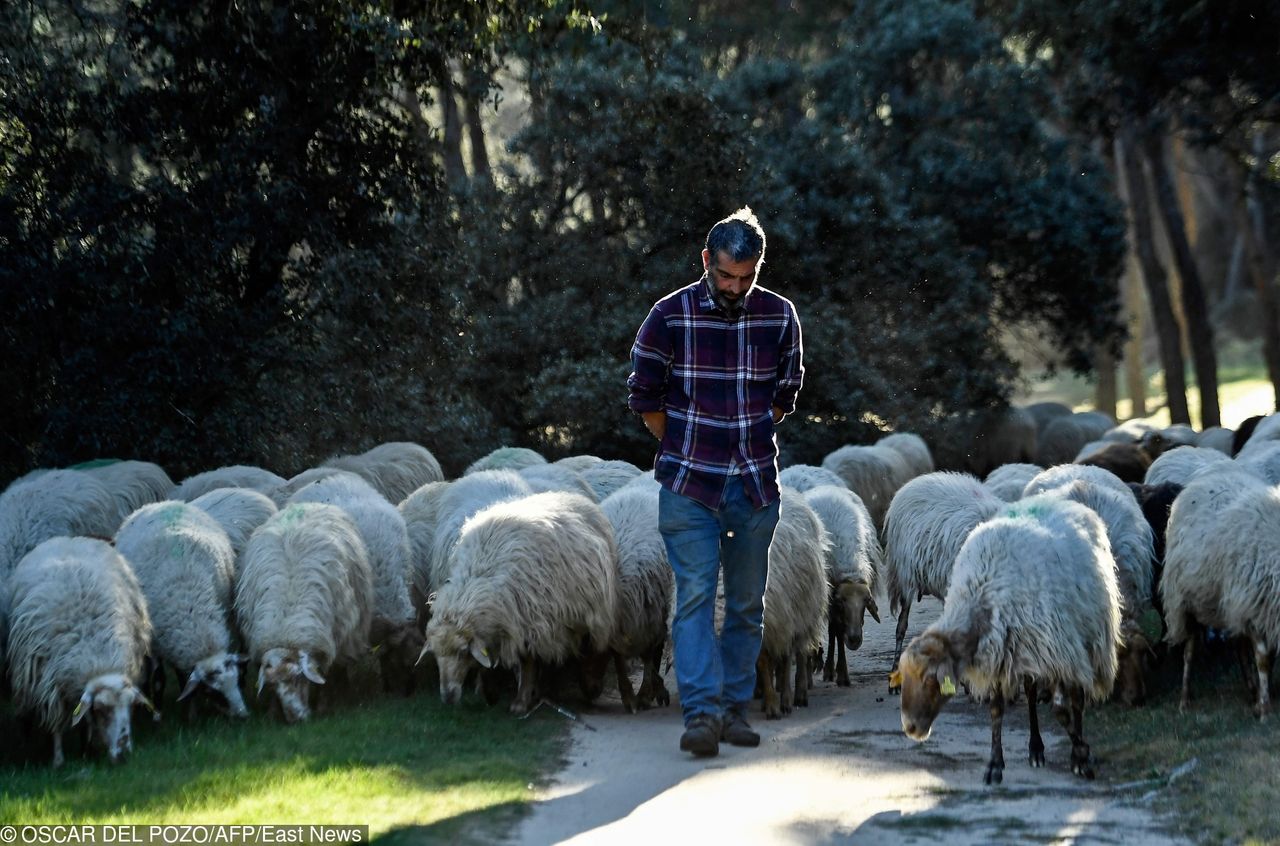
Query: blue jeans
(716, 676)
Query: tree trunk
(1153, 276)
(477, 85)
(1135, 373)
(1194, 308)
(1268, 314)
(1106, 393)
(455, 172)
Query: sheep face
(852, 601)
(457, 652)
(1131, 685)
(109, 700)
(290, 672)
(219, 676)
(928, 674)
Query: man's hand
(656, 422)
(777, 414)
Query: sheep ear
(895, 678)
(426, 647)
(141, 699)
(262, 679)
(481, 654)
(312, 674)
(871, 607)
(84, 706)
(192, 683)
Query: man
(717, 364)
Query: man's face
(733, 279)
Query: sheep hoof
(894, 691)
(995, 774)
(1036, 756)
(519, 709)
(662, 697)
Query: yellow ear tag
(948, 686)
(895, 678)
(79, 708)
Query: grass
(1230, 796)
(411, 769)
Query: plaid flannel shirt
(717, 379)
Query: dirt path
(839, 771)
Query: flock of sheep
(1054, 580)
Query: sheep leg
(828, 665)
(1188, 650)
(625, 691)
(802, 678)
(842, 666)
(58, 758)
(653, 677)
(1035, 747)
(764, 674)
(785, 691)
(1068, 707)
(527, 682)
(1262, 660)
(995, 767)
(903, 616)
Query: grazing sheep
(236, 476)
(578, 463)
(1062, 439)
(1129, 462)
(1244, 432)
(1008, 480)
(1091, 448)
(240, 511)
(132, 483)
(913, 450)
(1156, 501)
(462, 500)
(77, 640)
(1179, 465)
(285, 492)
(1045, 412)
(1263, 459)
(394, 631)
(646, 591)
(1216, 437)
(1222, 569)
(534, 579)
(185, 565)
(1033, 602)
(609, 476)
(928, 522)
(1065, 474)
(806, 477)
(554, 477)
(421, 512)
(52, 504)
(1128, 432)
(644, 480)
(304, 599)
(505, 458)
(982, 441)
(795, 603)
(1175, 437)
(394, 469)
(853, 565)
(874, 473)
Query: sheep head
(458, 650)
(109, 700)
(927, 673)
(851, 600)
(290, 672)
(1131, 657)
(219, 676)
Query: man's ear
(706, 259)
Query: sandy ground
(840, 771)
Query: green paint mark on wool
(1033, 511)
(95, 463)
(292, 515)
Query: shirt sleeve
(790, 365)
(650, 363)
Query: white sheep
(1216, 437)
(534, 580)
(421, 512)
(646, 589)
(578, 463)
(1063, 437)
(1173, 437)
(805, 477)
(795, 604)
(462, 500)
(913, 450)
(853, 565)
(979, 442)
(304, 599)
(1267, 430)
(239, 511)
(1179, 465)
(132, 483)
(1033, 602)
(53, 504)
(609, 476)
(874, 473)
(394, 469)
(77, 640)
(1263, 459)
(505, 458)
(927, 523)
(394, 631)
(1128, 432)
(235, 476)
(185, 565)
(1044, 412)
(285, 492)
(555, 477)
(1008, 480)
(1065, 474)
(1222, 568)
